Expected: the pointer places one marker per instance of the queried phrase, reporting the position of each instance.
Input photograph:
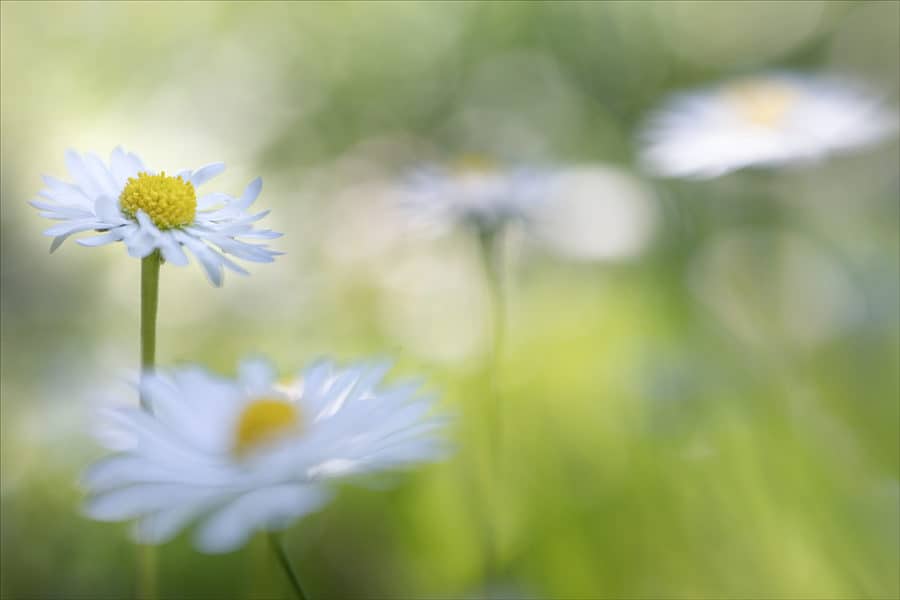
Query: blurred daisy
(149, 211)
(474, 193)
(249, 454)
(762, 121)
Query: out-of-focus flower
(249, 454)
(150, 211)
(475, 193)
(766, 120)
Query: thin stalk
(278, 548)
(149, 304)
(490, 246)
(147, 589)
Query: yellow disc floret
(762, 102)
(263, 421)
(169, 201)
(474, 164)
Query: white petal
(314, 381)
(121, 470)
(242, 250)
(205, 173)
(60, 211)
(335, 467)
(101, 240)
(144, 239)
(107, 209)
(207, 201)
(337, 392)
(146, 223)
(140, 245)
(124, 166)
(101, 175)
(70, 227)
(236, 268)
(79, 172)
(251, 192)
(137, 500)
(262, 234)
(66, 193)
(171, 250)
(162, 526)
(166, 447)
(211, 263)
(208, 259)
(267, 508)
(256, 375)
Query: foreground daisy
(767, 120)
(248, 454)
(473, 193)
(152, 211)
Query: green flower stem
(491, 246)
(278, 549)
(146, 584)
(149, 303)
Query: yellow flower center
(473, 164)
(263, 421)
(762, 102)
(169, 201)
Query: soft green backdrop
(707, 411)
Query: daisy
(473, 193)
(151, 211)
(249, 454)
(767, 120)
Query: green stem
(490, 246)
(147, 573)
(149, 303)
(281, 555)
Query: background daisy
(474, 193)
(762, 120)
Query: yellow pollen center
(169, 201)
(263, 421)
(473, 164)
(762, 102)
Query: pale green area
(716, 417)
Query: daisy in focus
(249, 454)
(768, 120)
(473, 193)
(151, 211)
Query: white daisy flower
(766, 120)
(473, 193)
(149, 211)
(249, 454)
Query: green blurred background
(701, 378)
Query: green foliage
(663, 438)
